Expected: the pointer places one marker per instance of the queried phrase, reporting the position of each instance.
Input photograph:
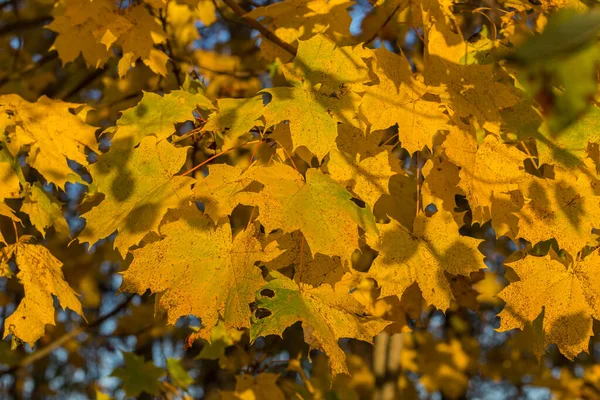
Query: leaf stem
(288, 155)
(203, 163)
(418, 182)
(387, 20)
(16, 231)
(44, 352)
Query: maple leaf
(565, 290)
(440, 186)
(237, 116)
(468, 89)
(398, 98)
(566, 208)
(91, 28)
(41, 275)
(139, 188)
(211, 274)
(219, 190)
(367, 178)
(220, 339)
(138, 376)
(353, 141)
(401, 203)
(138, 42)
(182, 23)
(424, 255)
(11, 175)
(320, 99)
(567, 147)
(157, 115)
(49, 133)
(44, 210)
(319, 207)
(322, 61)
(178, 374)
(291, 249)
(79, 26)
(313, 117)
(494, 169)
(263, 385)
(327, 315)
(442, 366)
(294, 20)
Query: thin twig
(44, 352)
(288, 155)
(418, 182)
(253, 155)
(387, 20)
(203, 163)
(21, 25)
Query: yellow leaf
(44, 210)
(424, 255)
(399, 99)
(313, 117)
(568, 293)
(157, 115)
(237, 116)
(52, 134)
(291, 249)
(327, 315)
(292, 20)
(248, 387)
(496, 168)
(138, 42)
(323, 75)
(566, 208)
(79, 26)
(319, 207)
(139, 188)
(219, 190)
(468, 89)
(441, 184)
(41, 275)
(368, 178)
(208, 272)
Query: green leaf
(157, 115)
(138, 376)
(180, 376)
(567, 31)
(236, 116)
(319, 207)
(139, 187)
(327, 315)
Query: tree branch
(387, 20)
(44, 352)
(254, 24)
(24, 24)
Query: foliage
(277, 185)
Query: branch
(44, 352)
(203, 163)
(87, 80)
(254, 24)
(388, 19)
(176, 69)
(24, 24)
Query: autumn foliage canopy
(223, 199)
